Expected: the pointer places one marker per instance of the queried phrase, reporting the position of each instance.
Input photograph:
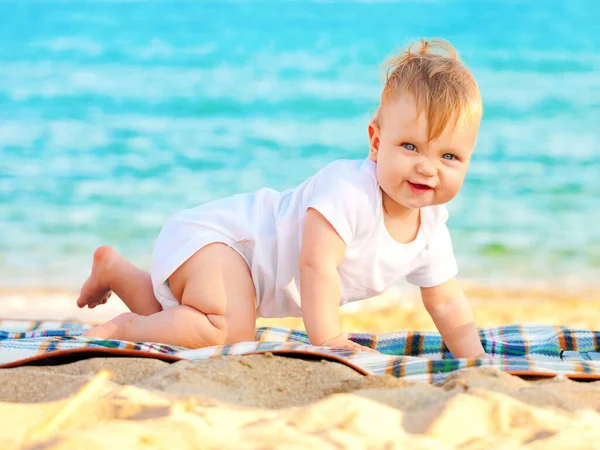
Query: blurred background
(115, 115)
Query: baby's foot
(96, 290)
(113, 329)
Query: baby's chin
(418, 201)
(424, 204)
(418, 204)
(413, 203)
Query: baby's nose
(425, 166)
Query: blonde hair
(443, 88)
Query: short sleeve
(345, 197)
(440, 264)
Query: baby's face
(412, 172)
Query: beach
(116, 115)
(267, 401)
(563, 304)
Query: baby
(347, 233)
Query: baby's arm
(320, 287)
(453, 317)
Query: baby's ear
(373, 141)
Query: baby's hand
(346, 344)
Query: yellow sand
(263, 402)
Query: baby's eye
(409, 146)
(449, 156)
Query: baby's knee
(208, 332)
(240, 332)
(215, 339)
(228, 331)
(237, 335)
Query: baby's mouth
(419, 188)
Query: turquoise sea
(114, 115)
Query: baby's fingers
(357, 347)
(362, 348)
(367, 349)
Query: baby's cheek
(387, 179)
(453, 186)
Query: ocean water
(115, 115)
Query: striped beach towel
(525, 349)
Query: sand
(265, 401)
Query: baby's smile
(419, 188)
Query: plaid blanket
(526, 349)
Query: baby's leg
(217, 298)
(112, 272)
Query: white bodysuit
(265, 228)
